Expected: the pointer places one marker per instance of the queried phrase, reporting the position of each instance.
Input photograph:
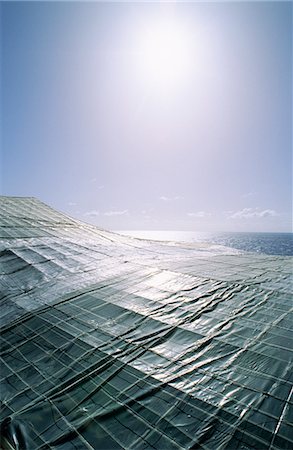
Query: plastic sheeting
(110, 342)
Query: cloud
(199, 214)
(94, 180)
(248, 194)
(170, 199)
(72, 204)
(146, 213)
(96, 213)
(93, 213)
(115, 213)
(252, 213)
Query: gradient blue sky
(86, 129)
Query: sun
(164, 53)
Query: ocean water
(267, 243)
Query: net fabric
(114, 342)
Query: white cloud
(94, 180)
(170, 199)
(248, 194)
(252, 213)
(116, 213)
(96, 213)
(146, 214)
(199, 214)
(93, 213)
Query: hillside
(111, 342)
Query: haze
(150, 115)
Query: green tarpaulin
(111, 342)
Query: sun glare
(164, 53)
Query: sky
(150, 115)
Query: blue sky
(150, 115)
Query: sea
(267, 243)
